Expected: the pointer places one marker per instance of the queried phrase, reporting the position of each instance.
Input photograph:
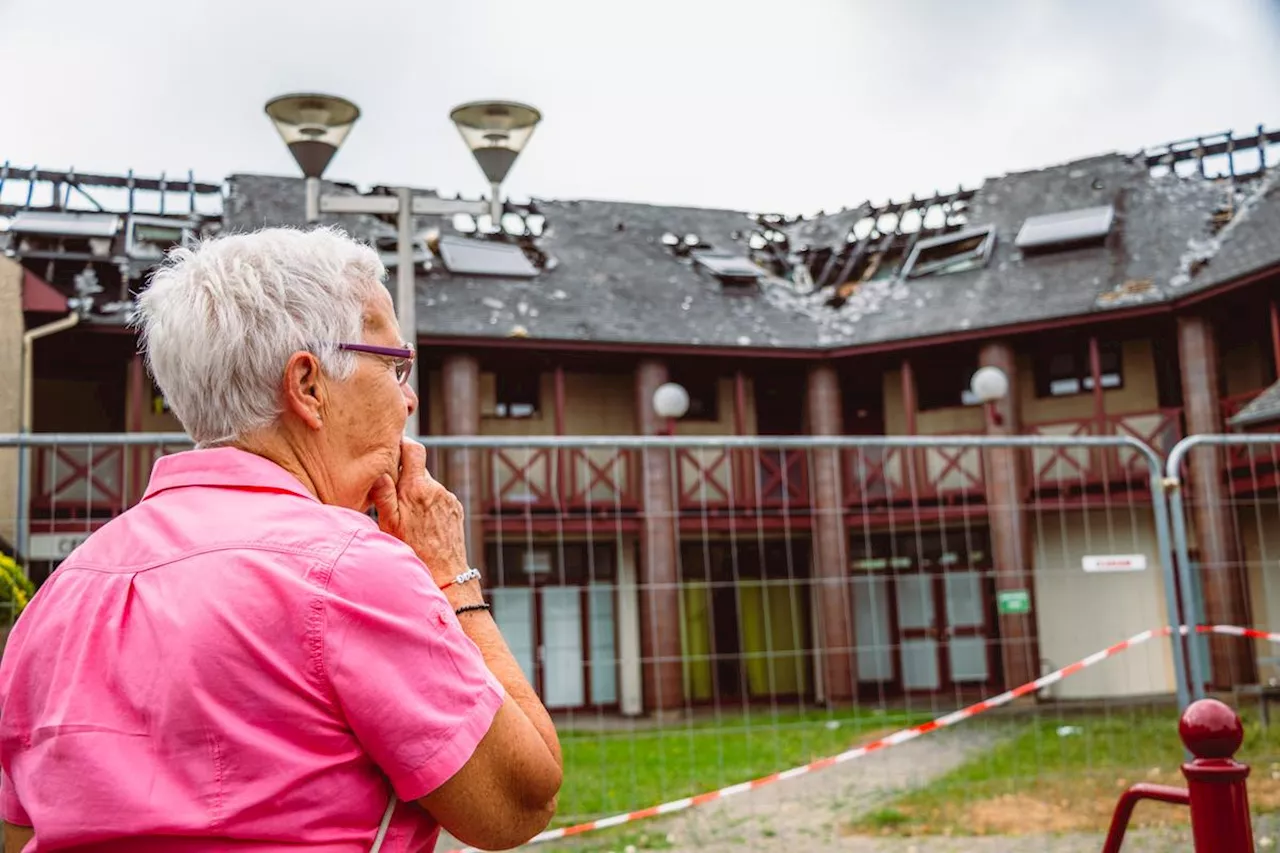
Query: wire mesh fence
(698, 613)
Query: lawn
(1064, 773)
(623, 770)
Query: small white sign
(54, 546)
(1115, 563)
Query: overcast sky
(791, 106)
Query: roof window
(962, 250)
(1068, 229)
(463, 256)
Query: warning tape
(894, 739)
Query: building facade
(1121, 295)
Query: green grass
(1067, 781)
(618, 771)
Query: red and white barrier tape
(890, 740)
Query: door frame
(941, 631)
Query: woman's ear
(304, 388)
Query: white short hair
(221, 319)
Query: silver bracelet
(471, 574)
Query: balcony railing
(1250, 467)
(1065, 467)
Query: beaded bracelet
(468, 575)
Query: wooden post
(1102, 455)
(1226, 600)
(661, 654)
(460, 388)
(138, 470)
(1010, 542)
(565, 460)
(1275, 337)
(917, 468)
(830, 550)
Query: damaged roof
(615, 277)
(1261, 409)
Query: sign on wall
(1115, 563)
(1013, 602)
(54, 546)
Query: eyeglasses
(401, 357)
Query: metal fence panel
(698, 612)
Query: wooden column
(1221, 573)
(830, 552)
(1006, 516)
(1275, 337)
(460, 388)
(918, 471)
(659, 579)
(139, 471)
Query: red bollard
(1215, 780)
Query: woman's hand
(423, 514)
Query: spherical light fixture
(670, 400)
(989, 384)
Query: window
(1068, 371)
(515, 394)
(731, 270)
(704, 397)
(964, 250)
(943, 383)
(464, 256)
(1070, 228)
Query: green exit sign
(1011, 602)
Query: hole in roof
(537, 223)
(1159, 171)
(863, 227)
(735, 234)
(935, 217)
(484, 224)
(513, 224)
(692, 240)
(670, 239)
(1097, 184)
(887, 223)
(757, 241)
(950, 253)
(911, 221)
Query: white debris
(867, 298)
(559, 294)
(744, 341)
(523, 308)
(490, 302)
(1202, 249)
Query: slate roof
(1262, 408)
(614, 281)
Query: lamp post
(990, 385)
(314, 126)
(670, 401)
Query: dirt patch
(1068, 805)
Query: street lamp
(990, 384)
(314, 126)
(496, 132)
(670, 401)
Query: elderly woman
(246, 660)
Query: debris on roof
(1204, 247)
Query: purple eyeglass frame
(402, 356)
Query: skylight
(464, 256)
(963, 250)
(1068, 228)
(66, 224)
(730, 269)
